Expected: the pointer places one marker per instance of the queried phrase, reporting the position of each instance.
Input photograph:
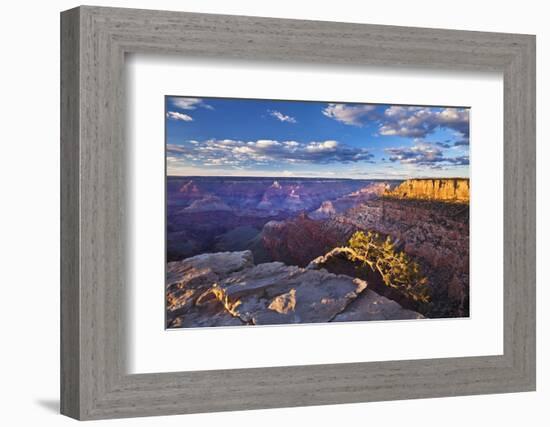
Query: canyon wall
(433, 233)
(428, 219)
(445, 189)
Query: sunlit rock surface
(227, 289)
(190, 279)
(375, 307)
(446, 189)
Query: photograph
(297, 212)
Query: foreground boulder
(227, 289)
(371, 306)
(274, 293)
(187, 280)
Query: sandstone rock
(320, 261)
(284, 303)
(371, 306)
(298, 241)
(227, 289)
(220, 264)
(207, 311)
(436, 234)
(326, 210)
(274, 293)
(449, 189)
(187, 280)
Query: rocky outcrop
(375, 307)
(426, 218)
(325, 211)
(187, 281)
(227, 289)
(206, 204)
(297, 241)
(445, 189)
(273, 293)
(330, 208)
(190, 189)
(438, 233)
(435, 234)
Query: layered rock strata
(445, 189)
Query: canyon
(261, 250)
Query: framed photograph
(300, 228)
(347, 211)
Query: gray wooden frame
(94, 41)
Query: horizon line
(311, 177)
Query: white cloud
(425, 154)
(265, 143)
(404, 121)
(174, 115)
(322, 146)
(264, 151)
(354, 115)
(282, 117)
(189, 103)
(420, 121)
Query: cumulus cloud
(282, 117)
(425, 154)
(174, 115)
(354, 115)
(264, 151)
(190, 103)
(322, 146)
(418, 122)
(404, 121)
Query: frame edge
(82, 398)
(70, 389)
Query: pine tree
(396, 268)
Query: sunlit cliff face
(450, 189)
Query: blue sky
(247, 137)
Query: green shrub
(396, 268)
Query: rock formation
(325, 211)
(445, 189)
(227, 289)
(436, 234)
(375, 307)
(296, 241)
(294, 220)
(207, 204)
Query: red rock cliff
(444, 189)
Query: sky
(271, 138)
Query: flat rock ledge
(227, 289)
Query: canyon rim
(296, 212)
